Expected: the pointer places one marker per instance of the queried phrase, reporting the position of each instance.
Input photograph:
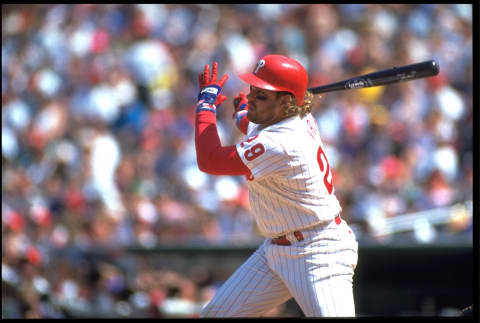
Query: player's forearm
(212, 158)
(206, 139)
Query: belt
(283, 241)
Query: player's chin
(252, 117)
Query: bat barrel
(383, 77)
(403, 73)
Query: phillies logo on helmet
(260, 64)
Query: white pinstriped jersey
(291, 183)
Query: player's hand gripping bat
(383, 77)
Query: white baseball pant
(317, 272)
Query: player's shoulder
(286, 127)
(289, 131)
(287, 134)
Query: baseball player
(309, 252)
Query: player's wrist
(208, 98)
(203, 106)
(239, 115)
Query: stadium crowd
(97, 135)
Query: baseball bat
(383, 77)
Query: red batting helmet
(279, 73)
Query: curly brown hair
(291, 108)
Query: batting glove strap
(209, 93)
(203, 106)
(242, 107)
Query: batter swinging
(309, 252)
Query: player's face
(264, 106)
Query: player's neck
(273, 122)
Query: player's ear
(285, 98)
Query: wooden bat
(388, 76)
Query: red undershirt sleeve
(212, 158)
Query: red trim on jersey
(212, 158)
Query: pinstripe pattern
(288, 193)
(251, 291)
(317, 272)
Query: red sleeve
(212, 158)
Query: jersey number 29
(255, 151)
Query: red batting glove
(210, 88)
(219, 101)
(240, 103)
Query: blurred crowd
(97, 131)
